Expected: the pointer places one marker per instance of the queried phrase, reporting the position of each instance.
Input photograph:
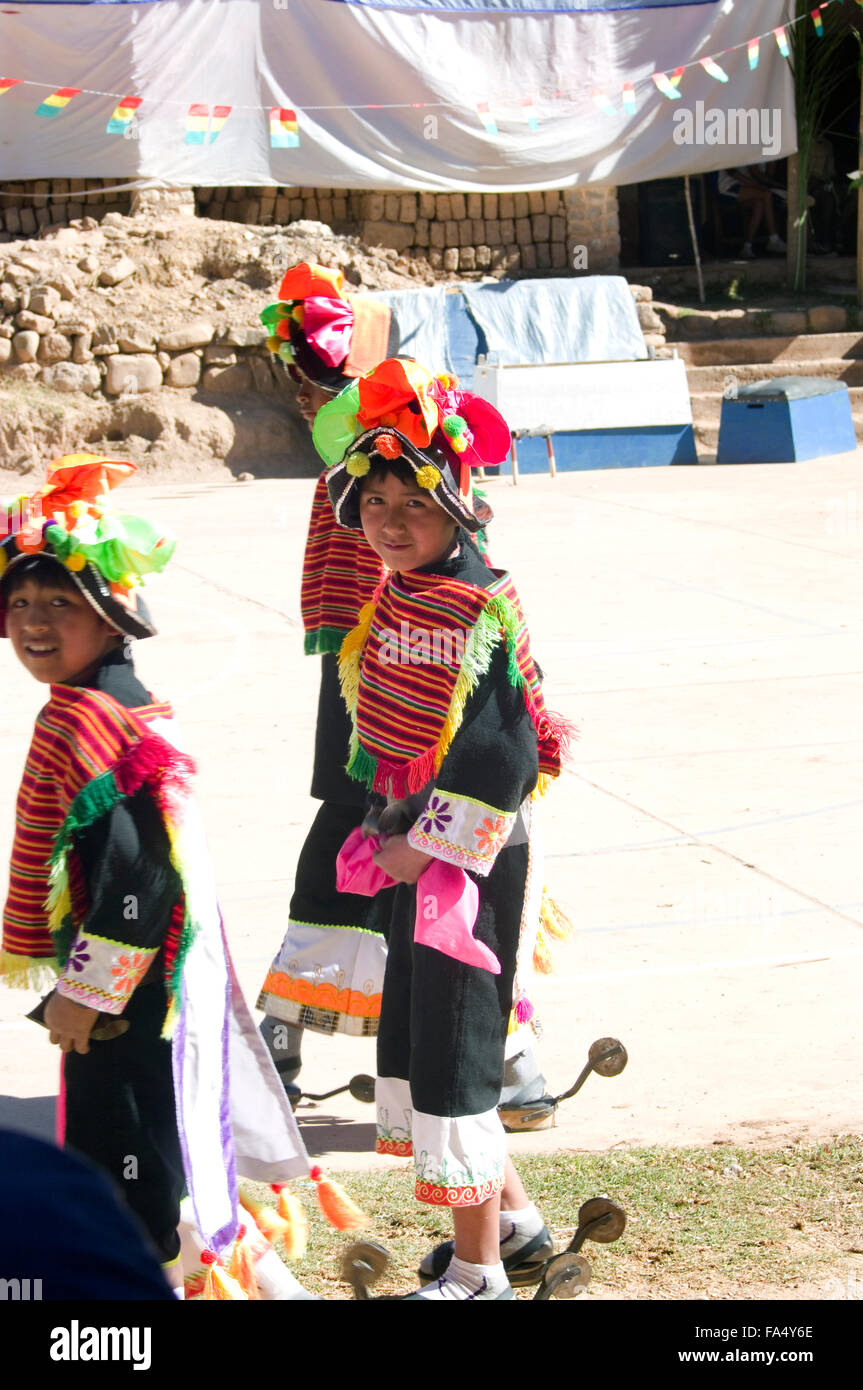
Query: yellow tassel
(336, 1205)
(219, 1285)
(350, 653)
(28, 972)
(292, 1211)
(242, 1266)
(268, 1222)
(554, 919)
(542, 955)
(554, 925)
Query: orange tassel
(219, 1286)
(242, 1266)
(268, 1222)
(336, 1205)
(293, 1212)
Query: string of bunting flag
(669, 83)
(203, 123)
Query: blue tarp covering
(593, 319)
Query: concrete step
(703, 380)
(801, 347)
(685, 324)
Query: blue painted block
(786, 420)
(643, 446)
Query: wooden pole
(860, 203)
(552, 465)
(694, 237)
(792, 231)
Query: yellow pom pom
(3, 561)
(274, 343)
(428, 476)
(358, 464)
(76, 510)
(458, 444)
(76, 561)
(128, 580)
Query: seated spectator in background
(748, 185)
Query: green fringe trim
(187, 936)
(507, 618)
(325, 639)
(63, 938)
(361, 765)
(92, 803)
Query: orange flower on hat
(398, 394)
(79, 478)
(308, 278)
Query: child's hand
(400, 860)
(70, 1023)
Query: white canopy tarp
(387, 97)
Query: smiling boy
(110, 891)
(456, 748)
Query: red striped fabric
(340, 574)
(401, 708)
(79, 734)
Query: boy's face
(55, 633)
(403, 524)
(310, 398)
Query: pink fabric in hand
(355, 872)
(447, 905)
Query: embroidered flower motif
(129, 971)
(491, 834)
(79, 956)
(436, 817)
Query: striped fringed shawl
(406, 715)
(340, 574)
(88, 752)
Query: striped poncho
(420, 648)
(340, 573)
(89, 752)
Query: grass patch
(721, 1222)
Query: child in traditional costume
(328, 973)
(167, 1083)
(450, 730)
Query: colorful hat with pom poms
(400, 411)
(317, 329)
(106, 555)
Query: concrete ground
(704, 628)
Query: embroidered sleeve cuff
(461, 831)
(103, 974)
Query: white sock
(464, 1281)
(518, 1227)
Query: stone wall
(25, 208)
(495, 233)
